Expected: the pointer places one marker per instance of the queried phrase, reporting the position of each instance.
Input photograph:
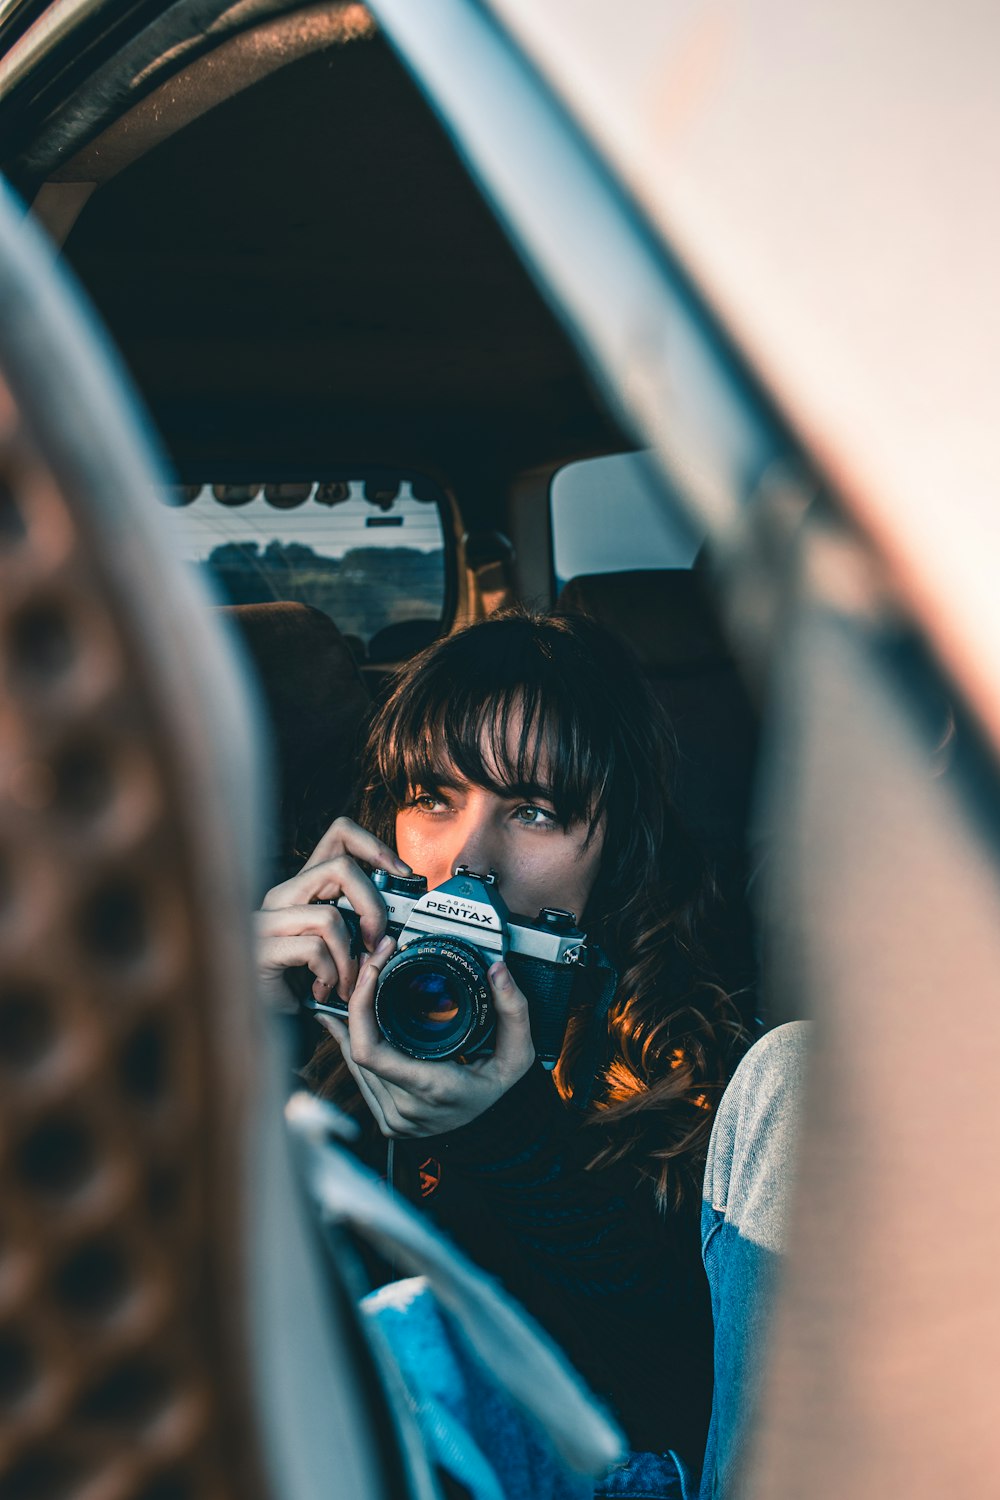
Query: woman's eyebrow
(437, 781)
(452, 780)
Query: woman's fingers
(369, 1047)
(339, 876)
(344, 836)
(313, 935)
(297, 951)
(377, 1095)
(338, 1030)
(515, 1050)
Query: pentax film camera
(433, 998)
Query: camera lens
(427, 1005)
(433, 1000)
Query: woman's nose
(477, 849)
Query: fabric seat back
(664, 615)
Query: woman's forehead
(501, 751)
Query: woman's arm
(618, 1285)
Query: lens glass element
(432, 999)
(428, 1002)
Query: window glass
(613, 514)
(370, 555)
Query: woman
(530, 745)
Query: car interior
(368, 412)
(323, 316)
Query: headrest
(401, 640)
(662, 613)
(317, 704)
(306, 667)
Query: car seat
(664, 615)
(318, 705)
(401, 640)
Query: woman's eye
(426, 802)
(534, 816)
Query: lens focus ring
(433, 1000)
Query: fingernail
(384, 945)
(402, 867)
(499, 973)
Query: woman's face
(538, 861)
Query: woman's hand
(291, 932)
(413, 1098)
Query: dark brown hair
(585, 710)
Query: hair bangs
(517, 722)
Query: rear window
(368, 552)
(613, 514)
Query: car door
(763, 226)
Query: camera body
(433, 998)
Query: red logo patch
(430, 1176)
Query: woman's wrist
(508, 1127)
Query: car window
(370, 554)
(608, 516)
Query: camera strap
(602, 976)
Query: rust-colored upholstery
(318, 706)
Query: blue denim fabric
(469, 1423)
(748, 1177)
(646, 1476)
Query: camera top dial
(399, 885)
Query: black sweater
(618, 1285)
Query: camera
(433, 997)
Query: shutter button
(552, 916)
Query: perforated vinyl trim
(108, 1341)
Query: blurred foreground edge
(883, 910)
(167, 1329)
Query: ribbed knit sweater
(617, 1284)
